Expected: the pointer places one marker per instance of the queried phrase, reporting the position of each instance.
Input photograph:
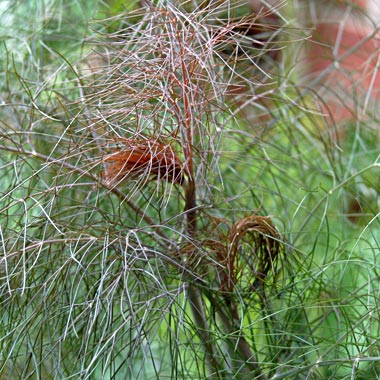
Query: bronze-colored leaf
(139, 157)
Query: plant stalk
(194, 294)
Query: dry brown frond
(245, 253)
(264, 240)
(147, 158)
(254, 244)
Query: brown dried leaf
(143, 157)
(263, 239)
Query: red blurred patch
(351, 53)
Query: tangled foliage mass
(175, 202)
